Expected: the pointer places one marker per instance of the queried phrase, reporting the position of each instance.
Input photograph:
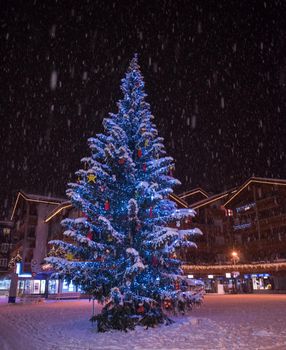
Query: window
(6, 231)
(31, 231)
(3, 262)
(4, 247)
(228, 212)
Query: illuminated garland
(238, 267)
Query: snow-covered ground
(223, 322)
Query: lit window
(228, 212)
(6, 231)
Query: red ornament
(121, 161)
(89, 235)
(139, 152)
(177, 285)
(167, 304)
(151, 212)
(107, 205)
(144, 167)
(140, 309)
(155, 261)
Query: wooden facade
(244, 230)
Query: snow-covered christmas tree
(122, 249)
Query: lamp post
(235, 259)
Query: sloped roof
(213, 198)
(58, 209)
(193, 192)
(35, 198)
(261, 180)
(178, 200)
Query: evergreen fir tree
(122, 247)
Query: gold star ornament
(91, 178)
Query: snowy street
(223, 322)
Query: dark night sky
(215, 74)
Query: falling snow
(216, 79)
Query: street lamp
(234, 257)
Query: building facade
(242, 249)
(30, 236)
(244, 241)
(6, 247)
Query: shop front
(241, 278)
(44, 287)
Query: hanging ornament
(109, 238)
(91, 178)
(177, 284)
(155, 261)
(167, 304)
(144, 167)
(121, 161)
(143, 130)
(102, 188)
(173, 256)
(146, 144)
(114, 177)
(178, 224)
(78, 179)
(138, 227)
(85, 165)
(107, 205)
(151, 212)
(69, 256)
(140, 309)
(89, 235)
(139, 152)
